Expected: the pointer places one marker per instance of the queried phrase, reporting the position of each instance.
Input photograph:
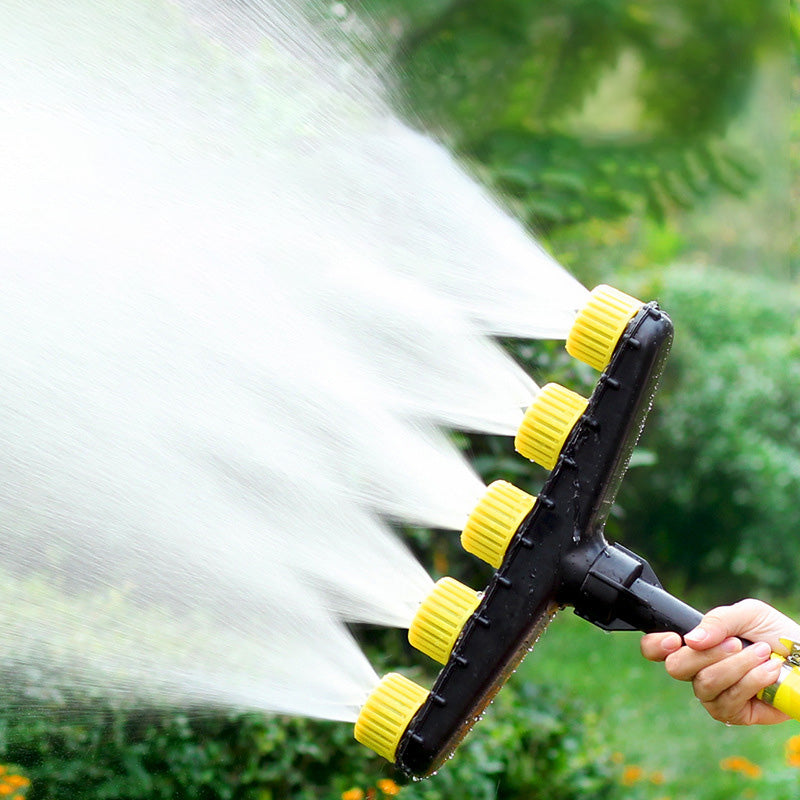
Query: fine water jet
(231, 340)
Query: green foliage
(722, 500)
(520, 90)
(99, 752)
(532, 744)
(558, 179)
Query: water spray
(549, 551)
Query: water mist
(240, 302)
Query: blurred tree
(584, 109)
(584, 112)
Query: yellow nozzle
(385, 716)
(441, 618)
(600, 324)
(492, 525)
(547, 424)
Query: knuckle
(704, 684)
(716, 616)
(751, 607)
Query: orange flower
(389, 787)
(632, 774)
(793, 751)
(2, 770)
(17, 781)
(657, 778)
(741, 764)
(6, 788)
(353, 794)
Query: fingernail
(731, 646)
(697, 636)
(762, 649)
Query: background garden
(652, 146)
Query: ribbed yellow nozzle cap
(600, 324)
(492, 525)
(547, 424)
(387, 712)
(441, 618)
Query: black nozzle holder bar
(559, 556)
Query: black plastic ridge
(559, 556)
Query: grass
(667, 746)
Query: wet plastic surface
(559, 556)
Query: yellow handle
(784, 694)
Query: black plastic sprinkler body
(559, 556)
(550, 551)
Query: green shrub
(535, 743)
(722, 499)
(532, 744)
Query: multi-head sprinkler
(549, 551)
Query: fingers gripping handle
(784, 694)
(620, 591)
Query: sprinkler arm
(550, 551)
(558, 555)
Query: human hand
(725, 676)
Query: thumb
(750, 619)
